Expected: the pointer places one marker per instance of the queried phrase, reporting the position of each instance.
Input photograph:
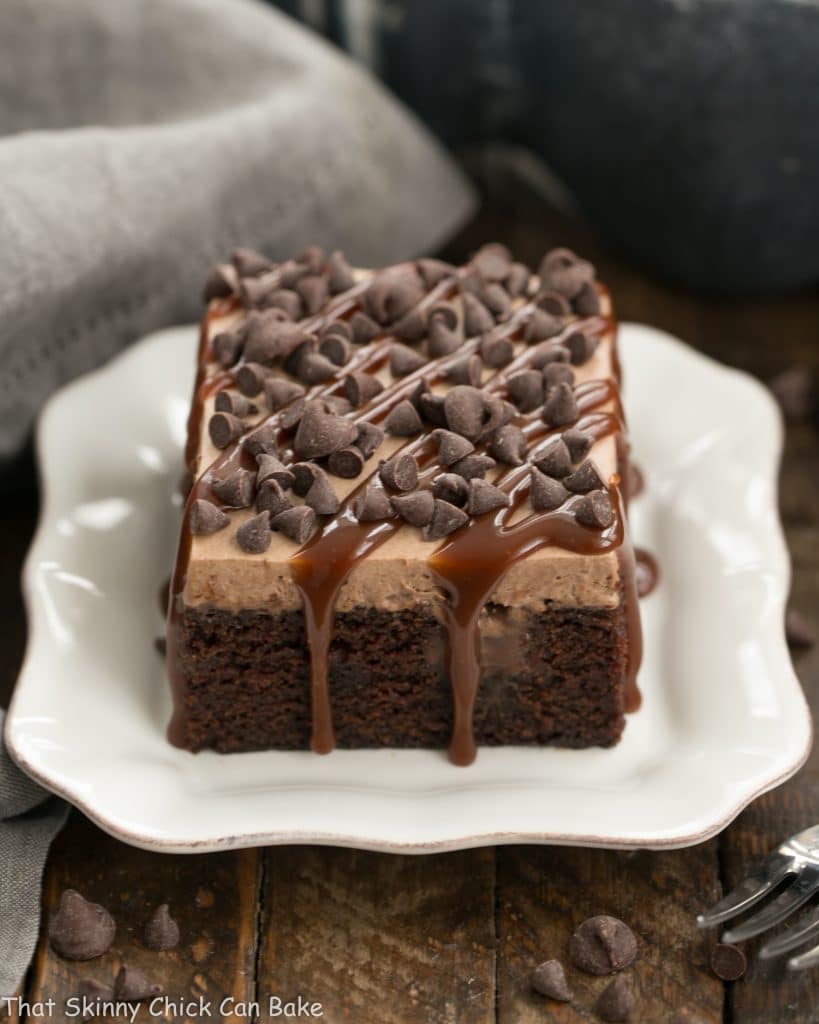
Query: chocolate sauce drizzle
(468, 565)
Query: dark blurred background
(685, 131)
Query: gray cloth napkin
(29, 819)
(141, 141)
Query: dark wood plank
(380, 938)
(544, 893)
(213, 898)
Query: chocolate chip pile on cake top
(465, 373)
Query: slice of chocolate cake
(406, 522)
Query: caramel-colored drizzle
(468, 565)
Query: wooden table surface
(378, 938)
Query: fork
(796, 859)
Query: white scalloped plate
(723, 718)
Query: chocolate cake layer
(426, 446)
(554, 677)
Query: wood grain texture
(381, 939)
(212, 897)
(545, 893)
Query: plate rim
(145, 839)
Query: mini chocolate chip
(226, 347)
(412, 326)
(444, 313)
(297, 524)
(279, 392)
(477, 318)
(542, 325)
(270, 497)
(340, 277)
(256, 292)
(496, 413)
(92, 994)
(224, 428)
(526, 389)
(433, 271)
(80, 930)
(546, 493)
(403, 420)
(250, 263)
(560, 408)
(372, 505)
(400, 473)
(346, 462)
(587, 300)
(250, 378)
(262, 440)
(799, 632)
(555, 461)
(315, 368)
(262, 346)
(393, 293)
(312, 257)
(548, 352)
(132, 985)
(464, 409)
(288, 300)
(291, 415)
(594, 510)
(584, 479)
(485, 497)
(549, 979)
(229, 401)
(446, 519)
(432, 408)
(254, 535)
(415, 508)
(291, 272)
(581, 347)
(314, 292)
(222, 282)
(304, 473)
(364, 328)
(270, 468)
(361, 387)
(340, 328)
(579, 443)
(603, 945)
(452, 488)
(496, 299)
(517, 280)
(466, 370)
(441, 341)
(404, 360)
(615, 1002)
(237, 489)
(492, 261)
(205, 518)
(336, 349)
(562, 271)
(368, 438)
(557, 373)
(161, 931)
(451, 447)
(473, 466)
(496, 352)
(796, 391)
(321, 496)
(728, 962)
(320, 433)
(508, 445)
(553, 302)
